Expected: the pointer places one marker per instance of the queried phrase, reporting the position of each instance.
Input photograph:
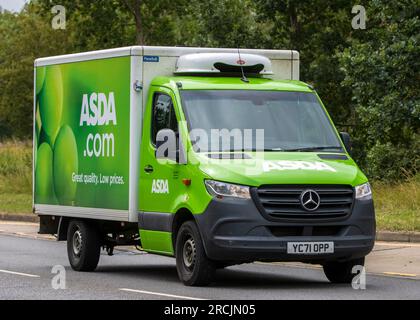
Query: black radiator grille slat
(283, 201)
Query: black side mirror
(345, 137)
(169, 146)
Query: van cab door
(157, 189)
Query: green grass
(397, 205)
(20, 203)
(15, 177)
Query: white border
(33, 144)
(136, 120)
(84, 56)
(81, 212)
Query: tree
(230, 24)
(382, 71)
(105, 24)
(134, 6)
(92, 25)
(25, 37)
(318, 29)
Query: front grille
(316, 231)
(283, 201)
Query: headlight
(364, 191)
(222, 189)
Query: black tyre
(341, 272)
(83, 246)
(193, 266)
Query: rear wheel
(193, 266)
(83, 246)
(341, 272)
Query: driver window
(163, 115)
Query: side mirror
(345, 137)
(169, 146)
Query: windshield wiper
(282, 150)
(315, 148)
(251, 150)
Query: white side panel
(136, 120)
(282, 70)
(81, 212)
(295, 65)
(33, 143)
(151, 70)
(296, 70)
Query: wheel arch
(63, 225)
(181, 216)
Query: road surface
(27, 261)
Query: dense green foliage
(382, 70)
(368, 79)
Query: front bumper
(234, 230)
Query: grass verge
(16, 177)
(398, 205)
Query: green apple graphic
(44, 175)
(51, 102)
(65, 165)
(40, 77)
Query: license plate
(310, 247)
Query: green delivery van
(213, 156)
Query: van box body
(107, 178)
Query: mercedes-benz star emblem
(310, 200)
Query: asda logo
(98, 109)
(296, 165)
(160, 186)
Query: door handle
(148, 169)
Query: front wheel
(342, 272)
(83, 246)
(193, 266)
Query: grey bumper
(234, 230)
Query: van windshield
(291, 121)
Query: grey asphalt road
(26, 273)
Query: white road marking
(20, 274)
(401, 274)
(20, 223)
(397, 244)
(160, 294)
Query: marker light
(220, 189)
(186, 182)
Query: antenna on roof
(241, 62)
